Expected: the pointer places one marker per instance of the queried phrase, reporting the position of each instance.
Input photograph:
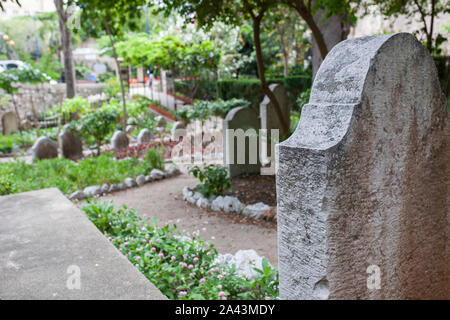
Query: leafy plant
(214, 179)
(7, 185)
(97, 124)
(180, 266)
(155, 158)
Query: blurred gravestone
(240, 141)
(71, 146)
(269, 121)
(363, 183)
(9, 122)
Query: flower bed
(181, 267)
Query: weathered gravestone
(119, 140)
(240, 141)
(71, 146)
(144, 136)
(363, 183)
(269, 122)
(44, 148)
(10, 122)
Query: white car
(17, 64)
(12, 64)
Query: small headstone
(144, 136)
(178, 130)
(119, 140)
(44, 148)
(71, 146)
(363, 183)
(240, 141)
(10, 123)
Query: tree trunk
(260, 64)
(306, 15)
(66, 44)
(116, 59)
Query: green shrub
(77, 105)
(214, 179)
(7, 185)
(250, 89)
(97, 124)
(69, 176)
(155, 159)
(112, 89)
(13, 141)
(179, 269)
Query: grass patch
(69, 176)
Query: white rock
(244, 260)
(121, 186)
(77, 195)
(256, 210)
(130, 182)
(217, 204)
(113, 188)
(148, 179)
(140, 180)
(172, 170)
(197, 195)
(187, 193)
(156, 174)
(105, 188)
(232, 204)
(203, 203)
(92, 191)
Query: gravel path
(163, 200)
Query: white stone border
(226, 204)
(97, 191)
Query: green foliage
(169, 53)
(112, 89)
(97, 124)
(77, 105)
(26, 74)
(10, 142)
(203, 110)
(250, 89)
(155, 159)
(303, 98)
(69, 176)
(7, 185)
(214, 179)
(180, 269)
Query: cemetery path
(163, 200)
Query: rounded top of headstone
(241, 111)
(367, 75)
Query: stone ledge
(41, 234)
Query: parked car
(17, 64)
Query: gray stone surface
(232, 204)
(78, 195)
(113, 188)
(256, 210)
(130, 183)
(240, 141)
(144, 136)
(364, 180)
(92, 191)
(71, 146)
(42, 235)
(178, 130)
(140, 180)
(10, 123)
(244, 260)
(44, 148)
(119, 140)
(156, 174)
(121, 186)
(218, 204)
(105, 188)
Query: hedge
(250, 89)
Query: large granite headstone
(363, 183)
(240, 141)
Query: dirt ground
(229, 232)
(254, 188)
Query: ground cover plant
(213, 178)
(69, 176)
(181, 267)
(11, 142)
